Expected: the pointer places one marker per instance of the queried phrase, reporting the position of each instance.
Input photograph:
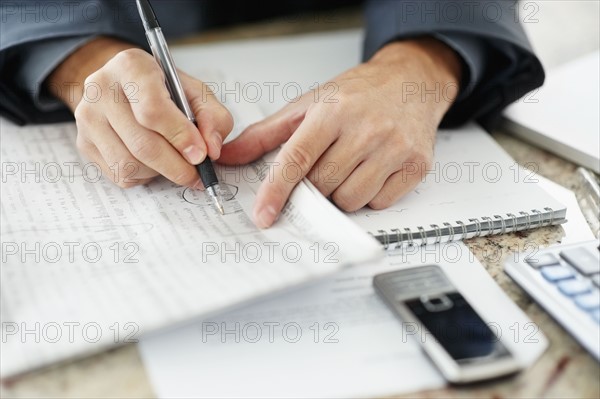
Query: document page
(86, 265)
(334, 339)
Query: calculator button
(543, 260)
(596, 279)
(596, 315)
(574, 287)
(589, 302)
(556, 273)
(582, 259)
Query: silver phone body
(424, 298)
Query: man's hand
(126, 120)
(359, 144)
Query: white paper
(351, 344)
(271, 72)
(86, 265)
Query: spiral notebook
(473, 189)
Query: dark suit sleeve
(35, 36)
(498, 60)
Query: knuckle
(179, 134)
(128, 59)
(312, 108)
(411, 169)
(386, 124)
(381, 129)
(149, 114)
(83, 112)
(426, 159)
(318, 110)
(144, 148)
(344, 199)
(94, 86)
(386, 129)
(98, 78)
(423, 162)
(370, 136)
(341, 102)
(299, 156)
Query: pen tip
(219, 205)
(213, 191)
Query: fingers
(152, 106)
(294, 161)
(398, 185)
(334, 167)
(264, 136)
(134, 128)
(117, 167)
(214, 120)
(361, 186)
(125, 170)
(150, 150)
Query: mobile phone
(458, 340)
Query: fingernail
(194, 154)
(218, 143)
(265, 217)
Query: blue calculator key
(587, 262)
(596, 315)
(574, 287)
(556, 273)
(589, 302)
(542, 260)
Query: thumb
(264, 136)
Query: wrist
(433, 65)
(67, 80)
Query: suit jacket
(498, 63)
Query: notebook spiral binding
(459, 230)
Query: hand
(127, 122)
(359, 146)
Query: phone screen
(456, 326)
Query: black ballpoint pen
(161, 53)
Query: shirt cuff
(472, 51)
(38, 60)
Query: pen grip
(207, 173)
(206, 169)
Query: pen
(161, 53)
